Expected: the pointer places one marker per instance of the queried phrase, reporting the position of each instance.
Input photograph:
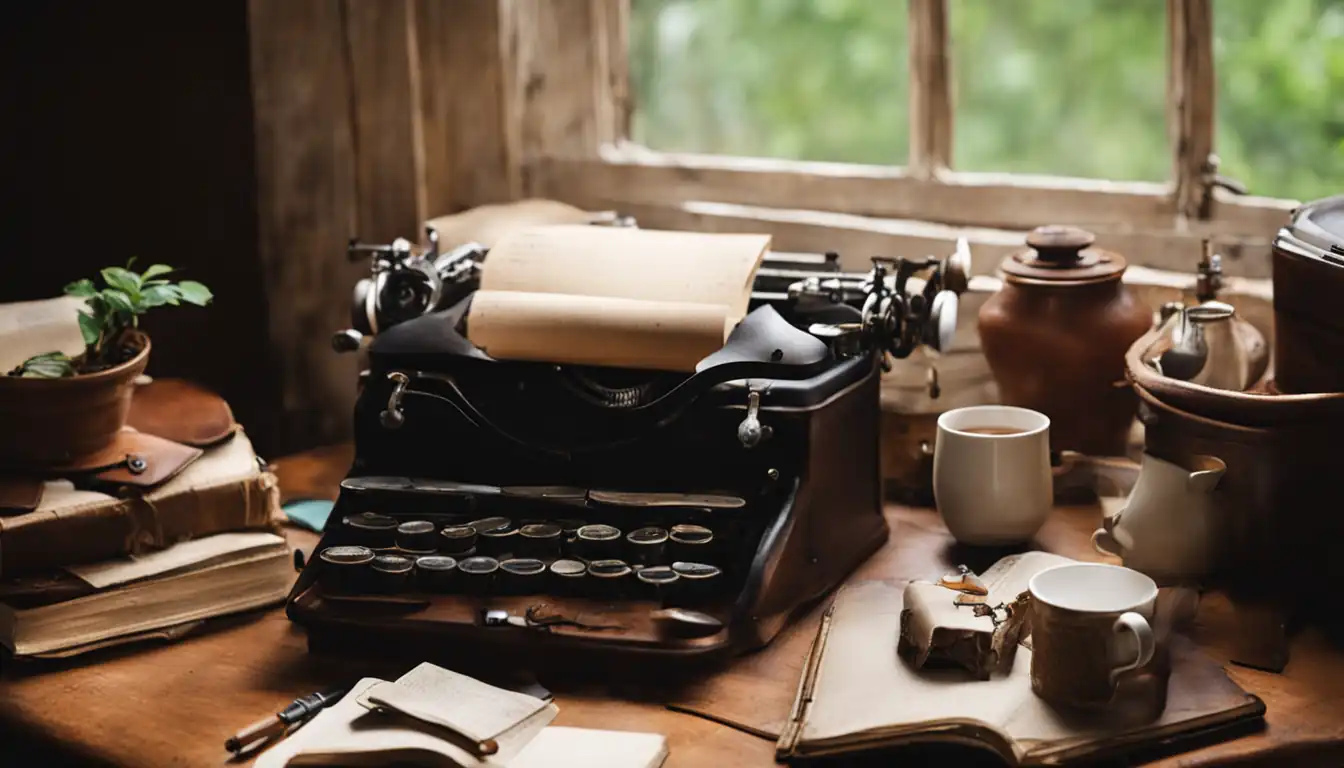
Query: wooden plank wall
(370, 116)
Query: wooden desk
(175, 704)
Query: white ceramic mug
(1090, 624)
(993, 489)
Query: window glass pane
(1280, 69)
(1074, 88)
(802, 79)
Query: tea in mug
(994, 430)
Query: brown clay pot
(54, 422)
(1056, 334)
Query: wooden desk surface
(175, 704)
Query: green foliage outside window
(1041, 86)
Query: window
(896, 127)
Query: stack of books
(86, 570)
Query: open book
(613, 296)
(436, 717)
(858, 695)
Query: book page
(613, 296)
(30, 328)
(560, 747)
(464, 704)
(187, 554)
(487, 224)
(864, 686)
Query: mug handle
(1105, 543)
(1143, 633)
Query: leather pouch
(148, 461)
(181, 411)
(19, 495)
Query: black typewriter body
(767, 454)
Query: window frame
(570, 140)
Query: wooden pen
(269, 727)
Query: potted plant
(58, 409)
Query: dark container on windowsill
(392, 573)
(435, 573)
(345, 570)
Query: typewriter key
(392, 573)
(490, 524)
(657, 581)
(608, 578)
(522, 576)
(690, 543)
(595, 542)
(373, 530)
(567, 577)
(477, 574)
(497, 542)
(417, 536)
(697, 581)
(458, 541)
(646, 546)
(539, 540)
(345, 570)
(434, 573)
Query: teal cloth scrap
(309, 513)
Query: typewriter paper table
(175, 704)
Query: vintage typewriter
(543, 508)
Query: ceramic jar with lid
(1056, 334)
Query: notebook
(436, 717)
(857, 695)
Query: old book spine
(47, 539)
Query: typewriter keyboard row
(674, 565)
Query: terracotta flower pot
(54, 422)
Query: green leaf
(123, 280)
(48, 365)
(118, 301)
(90, 328)
(154, 271)
(195, 293)
(158, 295)
(80, 288)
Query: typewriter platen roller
(539, 508)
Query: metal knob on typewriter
(751, 432)
(392, 417)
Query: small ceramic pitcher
(1166, 529)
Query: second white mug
(991, 473)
